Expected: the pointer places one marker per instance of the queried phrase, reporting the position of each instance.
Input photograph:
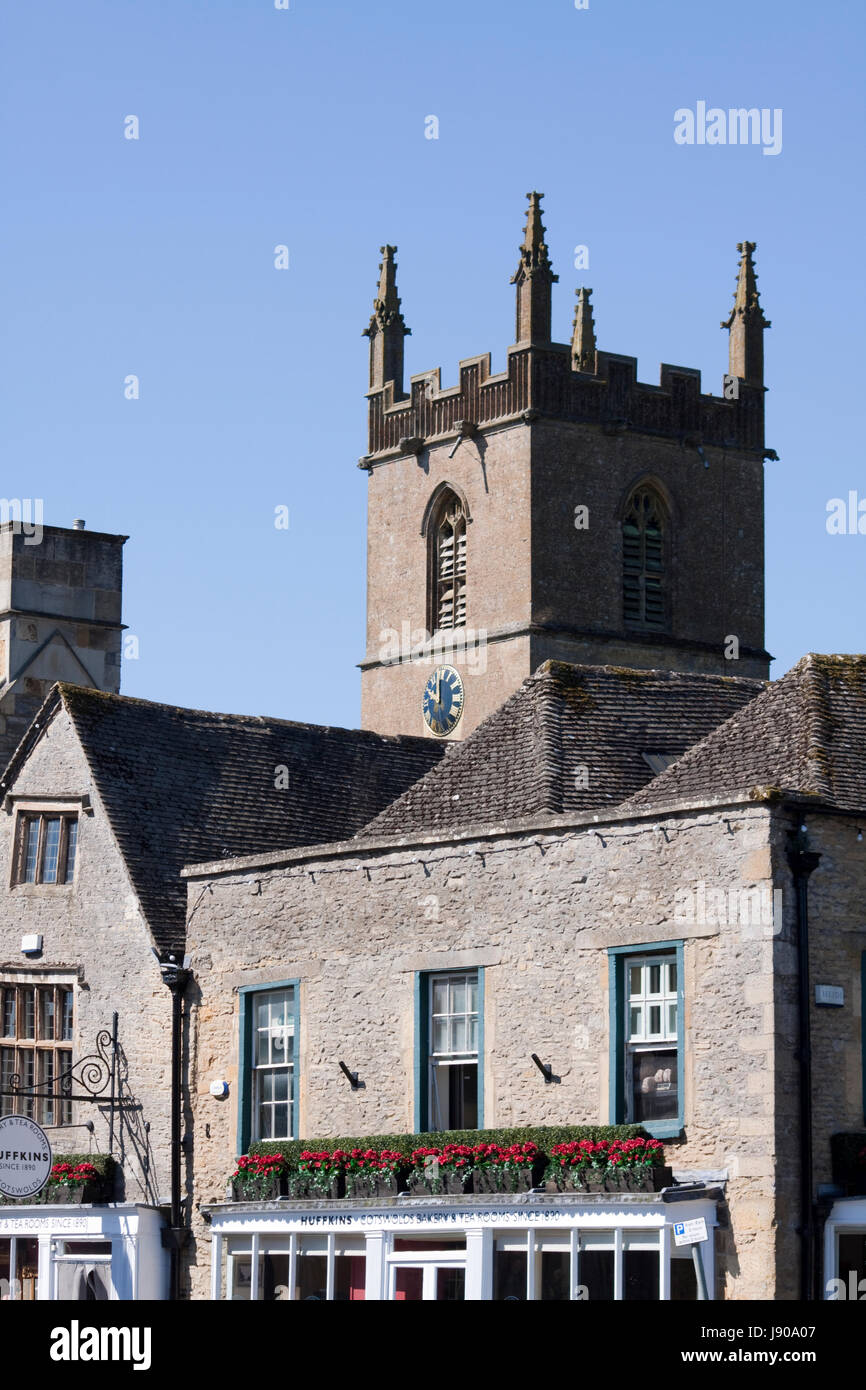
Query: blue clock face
(443, 701)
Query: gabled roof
(183, 786)
(805, 735)
(572, 738)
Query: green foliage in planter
(849, 1168)
(542, 1136)
(103, 1163)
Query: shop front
(845, 1250)
(89, 1254)
(556, 1248)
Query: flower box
(73, 1194)
(266, 1187)
(372, 1185)
(495, 1179)
(302, 1186)
(448, 1183)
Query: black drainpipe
(803, 862)
(175, 1236)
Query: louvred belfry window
(449, 566)
(643, 561)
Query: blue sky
(305, 127)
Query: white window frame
(439, 1061)
(259, 1069)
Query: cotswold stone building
(585, 876)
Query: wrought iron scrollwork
(93, 1073)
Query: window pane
(47, 1079)
(7, 1070)
(9, 1013)
(350, 1274)
(458, 996)
(555, 1271)
(640, 1274)
(655, 1091)
(440, 1035)
(71, 845)
(29, 1013)
(655, 979)
(635, 978)
(672, 978)
(458, 1035)
(472, 994)
(274, 1278)
(312, 1277)
(66, 1015)
(46, 997)
(31, 850)
(635, 1026)
(440, 997)
(509, 1275)
(595, 1272)
(64, 1065)
(672, 1020)
(655, 1020)
(472, 1035)
(51, 849)
(26, 1062)
(684, 1283)
(242, 1278)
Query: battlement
(540, 381)
(576, 382)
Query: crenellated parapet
(540, 381)
(573, 382)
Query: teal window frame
(617, 956)
(422, 1042)
(247, 995)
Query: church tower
(561, 509)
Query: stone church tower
(59, 617)
(561, 509)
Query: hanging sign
(25, 1156)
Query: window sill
(663, 1129)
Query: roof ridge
(818, 724)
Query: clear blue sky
(306, 127)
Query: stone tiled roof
(570, 739)
(806, 735)
(183, 786)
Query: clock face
(443, 701)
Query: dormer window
(45, 846)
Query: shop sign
(25, 1156)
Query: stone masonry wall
(538, 910)
(94, 936)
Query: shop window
(309, 1269)
(37, 1022)
(269, 1025)
(82, 1271)
(450, 1026)
(45, 847)
(597, 1266)
(19, 1269)
(646, 1000)
(640, 1267)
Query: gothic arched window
(448, 564)
(644, 537)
